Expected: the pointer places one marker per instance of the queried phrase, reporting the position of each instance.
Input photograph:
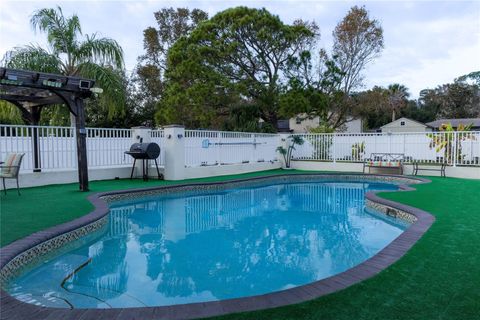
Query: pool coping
(12, 308)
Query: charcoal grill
(144, 152)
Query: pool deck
(14, 309)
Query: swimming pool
(206, 245)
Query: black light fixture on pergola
(31, 90)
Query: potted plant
(287, 153)
(358, 149)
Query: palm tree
(287, 153)
(71, 54)
(397, 98)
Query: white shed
(302, 124)
(406, 125)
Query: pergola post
(81, 134)
(36, 153)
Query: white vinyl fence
(57, 149)
(457, 148)
(207, 148)
(105, 147)
(158, 136)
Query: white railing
(106, 147)
(457, 148)
(208, 148)
(56, 146)
(158, 136)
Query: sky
(427, 43)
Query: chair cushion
(383, 163)
(7, 175)
(9, 168)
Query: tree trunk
(273, 120)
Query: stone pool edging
(21, 252)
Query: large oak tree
(238, 56)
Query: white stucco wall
(34, 179)
(210, 171)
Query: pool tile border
(21, 252)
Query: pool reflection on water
(203, 246)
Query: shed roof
(403, 119)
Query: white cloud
(427, 52)
(426, 43)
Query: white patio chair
(10, 169)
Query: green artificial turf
(439, 278)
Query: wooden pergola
(31, 90)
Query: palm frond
(282, 150)
(100, 51)
(51, 22)
(110, 80)
(73, 24)
(297, 140)
(9, 113)
(47, 19)
(61, 32)
(32, 58)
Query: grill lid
(144, 150)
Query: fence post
(174, 152)
(334, 148)
(389, 142)
(140, 134)
(454, 144)
(254, 153)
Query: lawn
(439, 278)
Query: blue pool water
(205, 245)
